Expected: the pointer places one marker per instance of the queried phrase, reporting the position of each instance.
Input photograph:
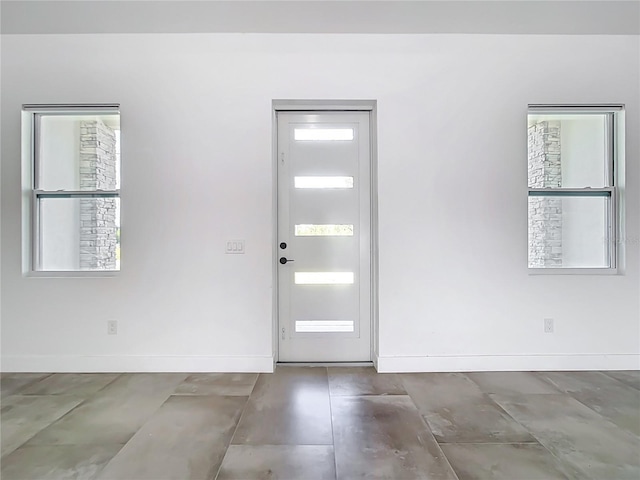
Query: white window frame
(612, 153)
(31, 119)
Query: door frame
(369, 106)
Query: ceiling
(607, 17)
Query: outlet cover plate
(112, 327)
(548, 325)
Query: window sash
(72, 109)
(610, 128)
(544, 109)
(38, 111)
(37, 195)
(76, 194)
(611, 216)
(572, 192)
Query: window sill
(573, 271)
(73, 274)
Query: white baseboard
(498, 363)
(265, 364)
(136, 363)
(375, 361)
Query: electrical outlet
(112, 327)
(548, 325)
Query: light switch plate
(234, 247)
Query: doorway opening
(325, 268)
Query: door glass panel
(314, 326)
(323, 278)
(323, 182)
(323, 134)
(306, 230)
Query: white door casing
(324, 219)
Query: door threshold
(324, 364)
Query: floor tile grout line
(333, 433)
(444, 455)
(428, 427)
(573, 396)
(282, 445)
(627, 384)
(355, 395)
(117, 375)
(488, 396)
(29, 384)
(105, 386)
(500, 409)
(23, 444)
(560, 462)
(83, 402)
(390, 395)
(620, 383)
(602, 417)
(542, 376)
(244, 408)
(491, 443)
(172, 395)
(535, 374)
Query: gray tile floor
(318, 423)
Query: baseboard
(265, 364)
(136, 363)
(488, 363)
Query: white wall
(197, 170)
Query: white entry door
(324, 240)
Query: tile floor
(321, 423)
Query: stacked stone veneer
(545, 213)
(98, 236)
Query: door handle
(284, 260)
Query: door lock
(283, 245)
(284, 260)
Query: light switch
(234, 246)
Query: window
(572, 187)
(323, 182)
(74, 168)
(323, 134)
(309, 230)
(323, 278)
